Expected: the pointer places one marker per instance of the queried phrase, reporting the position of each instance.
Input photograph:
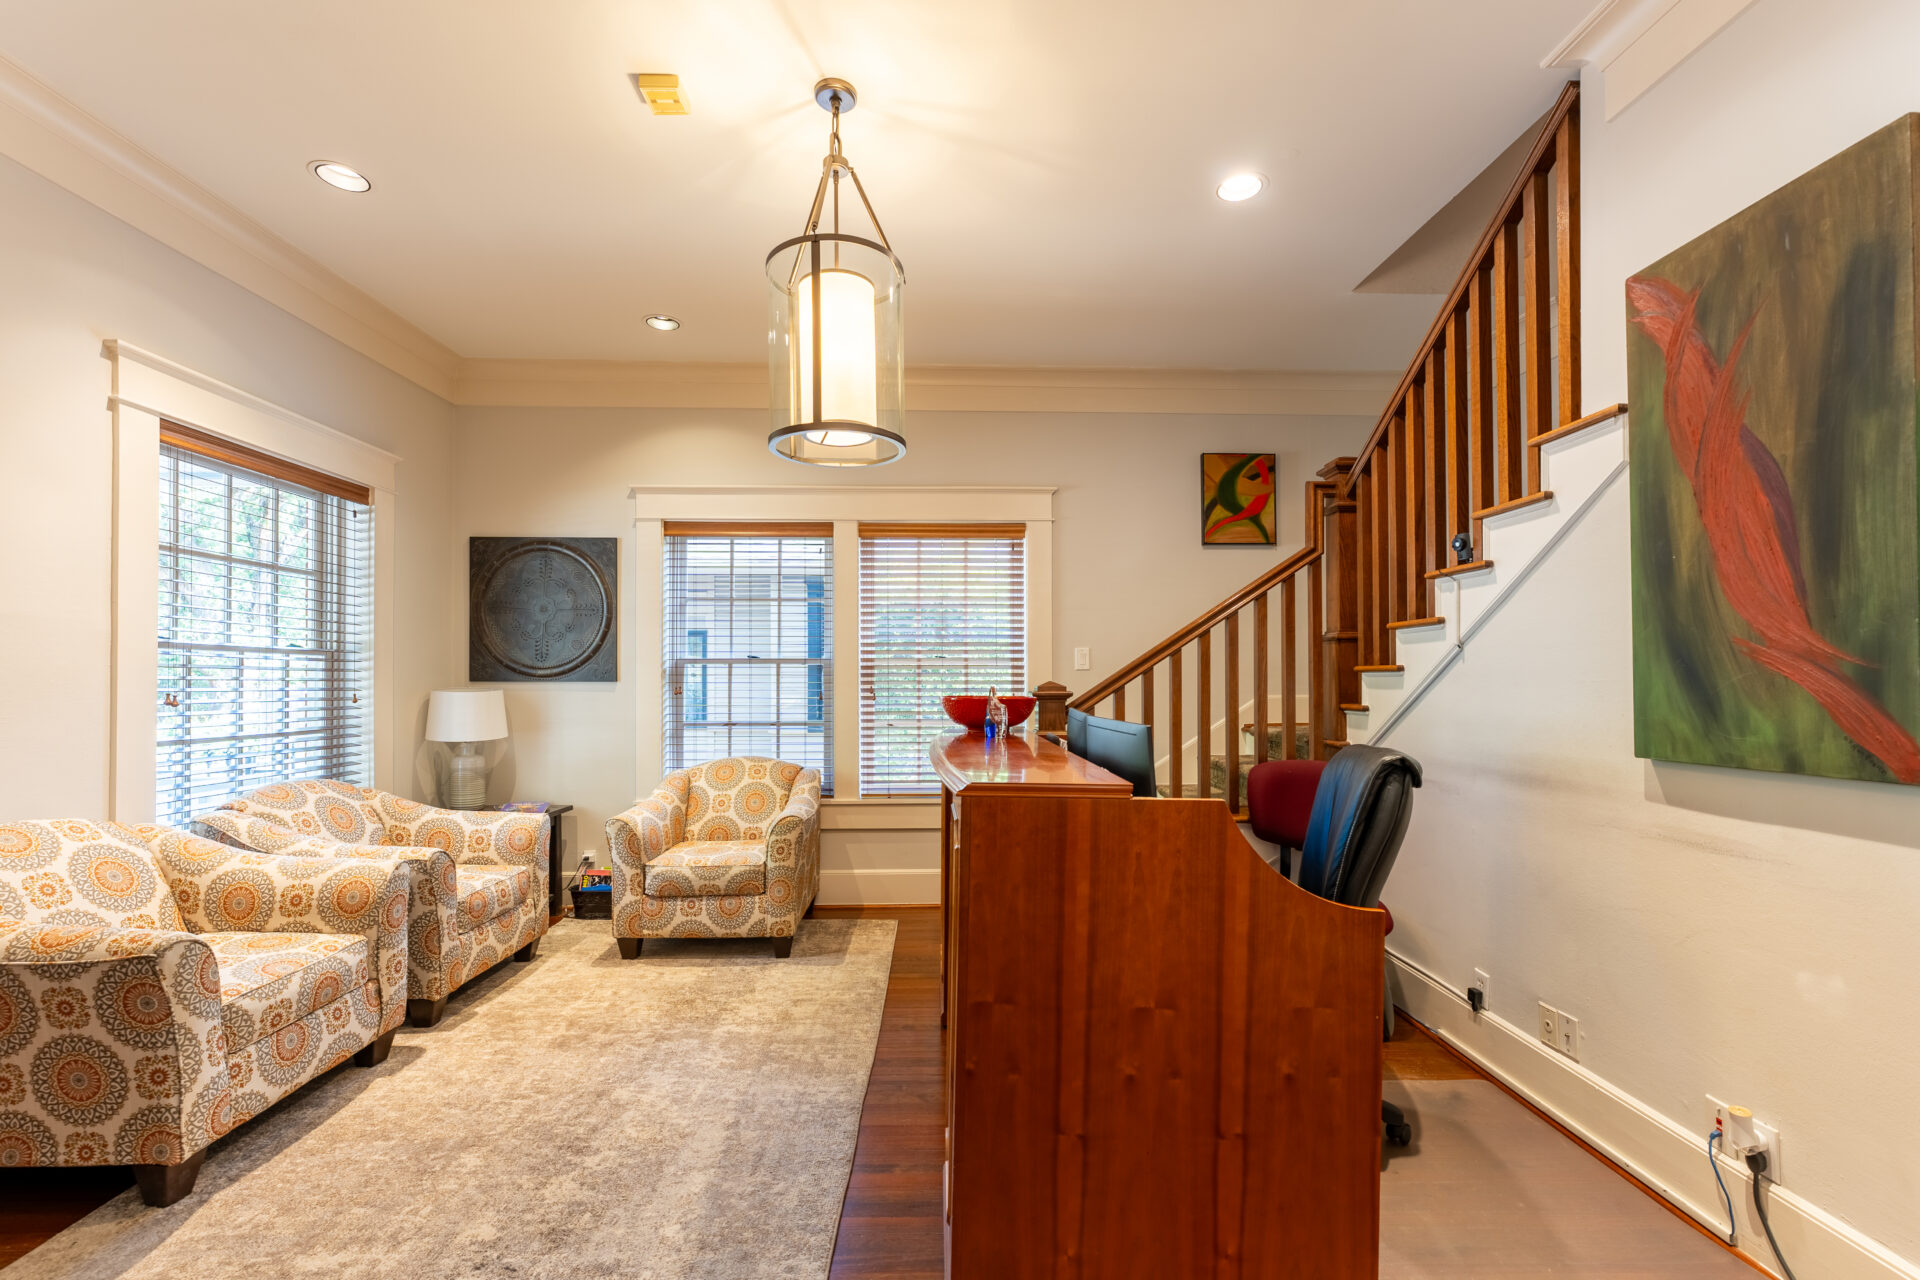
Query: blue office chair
(1360, 814)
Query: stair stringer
(1576, 469)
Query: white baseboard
(1669, 1157)
(895, 888)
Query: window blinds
(938, 615)
(749, 645)
(265, 626)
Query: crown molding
(1633, 44)
(598, 384)
(63, 144)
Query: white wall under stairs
(1575, 469)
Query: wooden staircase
(1496, 378)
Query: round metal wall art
(542, 609)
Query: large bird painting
(1773, 425)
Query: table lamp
(466, 718)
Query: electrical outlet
(1482, 981)
(1083, 659)
(1549, 1025)
(1570, 1036)
(1740, 1133)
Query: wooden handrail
(1543, 146)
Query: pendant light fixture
(836, 341)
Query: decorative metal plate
(542, 609)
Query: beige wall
(1128, 565)
(74, 277)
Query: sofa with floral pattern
(158, 989)
(479, 879)
(726, 849)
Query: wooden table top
(1016, 764)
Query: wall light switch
(1083, 659)
(1570, 1036)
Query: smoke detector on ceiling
(661, 93)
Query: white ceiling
(1045, 170)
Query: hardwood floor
(890, 1224)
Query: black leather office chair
(1360, 814)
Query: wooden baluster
(1177, 754)
(1480, 437)
(1537, 237)
(1506, 364)
(1231, 695)
(1289, 660)
(1120, 703)
(1433, 536)
(1413, 508)
(1146, 701)
(1363, 562)
(1260, 665)
(1566, 186)
(1319, 679)
(1459, 463)
(1384, 529)
(1393, 528)
(1203, 755)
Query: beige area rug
(1490, 1190)
(691, 1114)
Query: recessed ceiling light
(1241, 186)
(666, 323)
(335, 174)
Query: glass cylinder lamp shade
(836, 351)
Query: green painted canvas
(1773, 424)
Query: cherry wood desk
(1163, 1059)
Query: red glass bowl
(969, 711)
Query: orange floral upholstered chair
(157, 989)
(726, 849)
(479, 879)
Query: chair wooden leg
(782, 947)
(527, 952)
(425, 1013)
(376, 1053)
(164, 1184)
(629, 948)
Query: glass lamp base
(466, 778)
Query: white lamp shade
(847, 363)
(466, 715)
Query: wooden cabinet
(1163, 1058)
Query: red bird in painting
(1747, 511)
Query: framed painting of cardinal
(1236, 499)
(1773, 425)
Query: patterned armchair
(479, 879)
(726, 849)
(157, 989)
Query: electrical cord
(1715, 1166)
(1757, 1162)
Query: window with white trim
(265, 624)
(943, 609)
(748, 644)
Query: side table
(554, 843)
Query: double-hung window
(748, 644)
(265, 624)
(943, 609)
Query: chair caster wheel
(1400, 1135)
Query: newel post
(1050, 713)
(1340, 630)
